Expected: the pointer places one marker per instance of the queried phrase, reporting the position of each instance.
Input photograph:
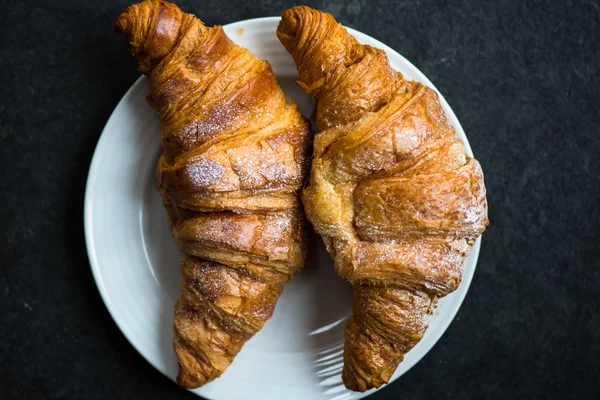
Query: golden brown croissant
(235, 156)
(392, 192)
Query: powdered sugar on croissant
(235, 156)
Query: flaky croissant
(235, 156)
(395, 198)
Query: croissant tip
(122, 25)
(292, 20)
(360, 384)
(125, 21)
(188, 376)
(186, 380)
(288, 24)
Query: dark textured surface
(523, 78)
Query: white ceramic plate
(135, 261)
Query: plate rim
(93, 171)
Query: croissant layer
(393, 194)
(235, 155)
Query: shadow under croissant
(329, 372)
(332, 298)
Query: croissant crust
(235, 156)
(395, 198)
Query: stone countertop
(522, 77)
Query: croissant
(395, 198)
(235, 154)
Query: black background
(522, 77)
